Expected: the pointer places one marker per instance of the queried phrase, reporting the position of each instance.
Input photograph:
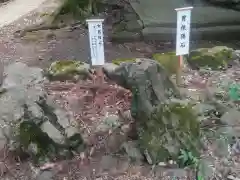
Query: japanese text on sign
(96, 41)
(183, 30)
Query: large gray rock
(165, 123)
(159, 20)
(29, 120)
(231, 118)
(225, 2)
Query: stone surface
(108, 162)
(13, 10)
(110, 122)
(151, 15)
(175, 173)
(109, 67)
(203, 108)
(28, 118)
(159, 20)
(125, 36)
(215, 58)
(197, 33)
(155, 109)
(206, 166)
(45, 175)
(168, 60)
(68, 70)
(134, 26)
(133, 151)
(130, 16)
(225, 2)
(231, 118)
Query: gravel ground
(42, 48)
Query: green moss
(31, 135)
(119, 27)
(168, 60)
(214, 58)
(63, 66)
(171, 127)
(77, 8)
(64, 70)
(121, 60)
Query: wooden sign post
(95, 29)
(182, 39)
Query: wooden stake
(179, 71)
(99, 75)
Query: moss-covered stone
(40, 145)
(168, 60)
(36, 142)
(119, 27)
(172, 126)
(122, 60)
(32, 124)
(68, 70)
(214, 58)
(165, 124)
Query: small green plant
(187, 159)
(234, 92)
(80, 8)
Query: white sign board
(183, 30)
(95, 29)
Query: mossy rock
(38, 144)
(119, 27)
(42, 148)
(122, 60)
(215, 58)
(68, 70)
(168, 60)
(172, 126)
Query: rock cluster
(30, 122)
(163, 124)
(126, 23)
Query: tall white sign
(95, 29)
(183, 30)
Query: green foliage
(31, 134)
(171, 127)
(234, 92)
(186, 158)
(168, 60)
(214, 58)
(80, 9)
(30, 139)
(122, 60)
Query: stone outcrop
(215, 58)
(165, 123)
(156, 20)
(169, 61)
(233, 4)
(68, 70)
(30, 122)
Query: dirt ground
(40, 49)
